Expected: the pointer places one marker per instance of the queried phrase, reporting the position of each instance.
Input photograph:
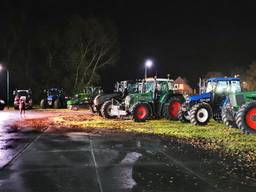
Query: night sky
(187, 38)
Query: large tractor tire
(43, 104)
(1, 107)
(140, 112)
(171, 109)
(183, 116)
(200, 114)
(106, 110)
(246, 117)
(228, 117)
(57, 104)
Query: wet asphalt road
(32, 161)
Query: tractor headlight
(127, 100)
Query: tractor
(156, 98)
(54, 97)
(239, 111)
(199, 109)
(2, 104)
(84, 98)
(121, 90)
(25, 95)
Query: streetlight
(148, 64)
(7, 83)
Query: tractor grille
(240, 100)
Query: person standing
(22, 107)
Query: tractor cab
(199, 108)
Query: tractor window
(22, 93)
(163, 86)
(235, 87)
(222, 87)
(53, 92)
(148, 86)
(210, 86)
(132, 88)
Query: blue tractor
(54, 98)
(199, 109)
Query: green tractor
(239, 110)
(156, 98)
(84, 98)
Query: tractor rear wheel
(171, 109)
(200, 114)
(183, 116)
(57, 104)
(228, 117)
(106, 110)
(140, 112)
(43, 104)
(246, 117)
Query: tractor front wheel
(200, 114)
(246, 117)
(106, 110)
(228, 117)
(140, 112)
(183, 116)
(171, 109)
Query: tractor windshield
(53, 92)
(22, 93)
(148, 87)
(223, 87)
(162, 86)
(132, 87)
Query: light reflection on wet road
(84, 162)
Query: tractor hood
(200, 97)
(51, 97)
(131, 99)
